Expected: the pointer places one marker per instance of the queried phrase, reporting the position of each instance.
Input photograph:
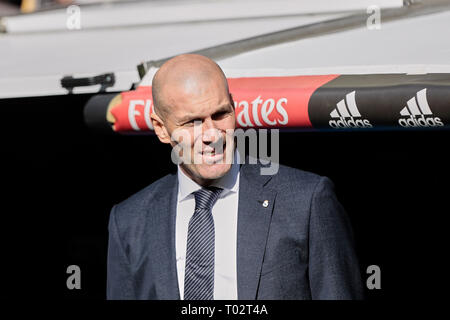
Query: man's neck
(199, 181)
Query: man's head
(190, 95)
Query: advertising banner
(319, 102)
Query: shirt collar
(229, 182)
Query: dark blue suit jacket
(298, 247)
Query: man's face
(202, 113)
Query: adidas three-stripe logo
(348, 115)
(418, 112)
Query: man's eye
(193, 121)
(220, 115)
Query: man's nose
(210, 132)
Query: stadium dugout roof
(253, 37)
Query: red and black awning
(323, 102)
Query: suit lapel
(254, 215)
(252, 232)
(162, 236)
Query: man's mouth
(212, 155)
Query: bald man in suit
(218, 228)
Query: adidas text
(351, 123)
(421, 121)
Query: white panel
(405, 112)
(423, 102)
(334, 113)
(343, 109)
(351, 103)
(412, 41)
(412, 105)
(163, 12)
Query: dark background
(60, 179)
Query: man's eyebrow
(187, 118)
(224, 107)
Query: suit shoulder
(297, 189)
(294, 177)
(137, 203)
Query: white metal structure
(37, 50)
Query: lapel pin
(265, 203)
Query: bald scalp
(187, 73)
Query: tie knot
(206, 197)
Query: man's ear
(160, 128)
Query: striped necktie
(199, 273)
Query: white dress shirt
(225, 213)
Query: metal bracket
(105, 80)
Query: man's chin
(213, 171)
